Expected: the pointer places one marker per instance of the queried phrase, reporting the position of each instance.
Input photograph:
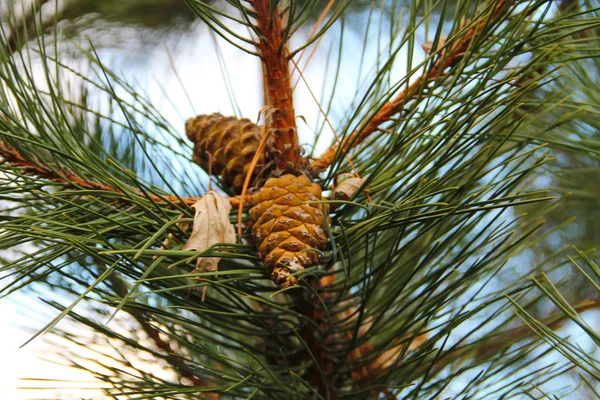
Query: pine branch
(13, 157)
(323, 344)
(36, 168)
(450, 57)
(319, 372)
(275, 57)
(436, 229)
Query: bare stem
(275, 57)
(12, 156)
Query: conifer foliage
(411, 280)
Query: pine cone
(288, 232)
(232, 143)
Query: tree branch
(13, 157)
(443, 66)
(319, 373)
(275, 57)
(322, 343)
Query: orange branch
(13, 157)
(275, 57)
(446, 60)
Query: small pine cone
(232, 143)
(288, 232)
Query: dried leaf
(347, 188)
(211, 226)
(428, 45)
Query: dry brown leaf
(428, 45)
(347, 188)
(211, 226)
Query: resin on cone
(288, 232)
(232, 143)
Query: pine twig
(13, 157)
(322, 342)
(365, 374)
(275, 57)
(443, 66)
(319, 375)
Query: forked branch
(443, 66)
(275, 58)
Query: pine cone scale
(306, 233)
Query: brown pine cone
(232, 143)
(288, 232)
